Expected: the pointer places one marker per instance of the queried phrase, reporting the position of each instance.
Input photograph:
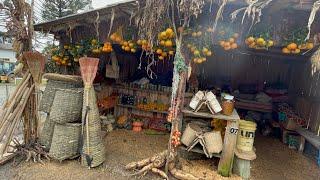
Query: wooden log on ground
(179, 174)
(144, 162)
(156, 162)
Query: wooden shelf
(134, 107)
(233, 117)
(274, 53)
(200, 151)
(144, 90)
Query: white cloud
(102, 3)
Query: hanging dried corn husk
(315, 8)
(253, 11)
(315, 61)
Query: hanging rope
(315, 8)
(219, 13)
(96, 25)
(69, 32)
(111, 22)
(253, 11)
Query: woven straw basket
(50, 91)
(65, 141)
(46, 133)
(96, 146)
(67, 105)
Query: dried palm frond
(253, 10)
(191, 7)
(36, 62)
(219, 13)
(315, 62)
(315, 8)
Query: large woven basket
(50, 91)
(46, 133)
(65, 141)
(96, 146)
(67, 105)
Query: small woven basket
(45, 137)
(67, 105)
(50, 91)
(65, 141)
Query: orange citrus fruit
(292, 46)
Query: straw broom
(88, 67)
(36, 63)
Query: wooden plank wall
(242, 68)
(307, 92)
(304, 86)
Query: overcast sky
(101, 3)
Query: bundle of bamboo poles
(12, 111)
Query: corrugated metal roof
(74, 18)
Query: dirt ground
(275, 161)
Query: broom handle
(87, 125)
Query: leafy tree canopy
(54, 9)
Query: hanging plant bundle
(260, 38)
(199, 44)
(253, 11)
(296, 43)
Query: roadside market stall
(161, 77)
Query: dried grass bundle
(315, 62)
(315, 8)
(148, 18)
(253, 11)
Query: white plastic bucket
(246, 135)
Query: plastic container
(246, 135)
(227, 105)
(190, 133)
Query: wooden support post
(302, 143)
(242, 168)
(230, 140)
